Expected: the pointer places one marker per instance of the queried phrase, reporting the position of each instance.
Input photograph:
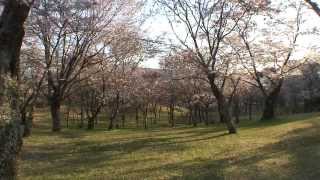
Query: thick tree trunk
(236, 110)
(270, 103)
(55, 105)
(110, 127)
(115, 112)
(268, 110)
(90, 123)
(223, 107)
(10, 146)
(12, 18)
(112, 119)
(225, 116)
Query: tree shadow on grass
(295, 156)
(76, 156)
(302, 146)
(83, 155)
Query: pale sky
(158, 25)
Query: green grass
(285, 148)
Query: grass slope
(287, 148)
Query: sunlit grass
(285, 148)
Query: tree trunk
(236, 110)
(27, 120)
(190, 116)
(145, 118)
(112, 119)
(137, 116)
(206, 117)
(81, 117)
(194, 117)
(96, 120)
(172, 115)
(90, 123)
(12, 18)
(110, 127)
(199, 115)
(155, 115)
(268, 111)
(270, 103)
(114, 114)
(11, 142)
(223, 106)
(314, 6)
(123, 119)
(117, 123)
(225, 116)
(250, 111)
(159, 112)
(68, 117)
(55, 105)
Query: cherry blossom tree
(207, 25)
(32, 77)
(269, 66)
(72, 34)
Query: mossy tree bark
(12, 19)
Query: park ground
(284, 148)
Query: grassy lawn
(287, 148)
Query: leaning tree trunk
(13, 16)
(223, 106)
(114, 112)
(224, 113)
